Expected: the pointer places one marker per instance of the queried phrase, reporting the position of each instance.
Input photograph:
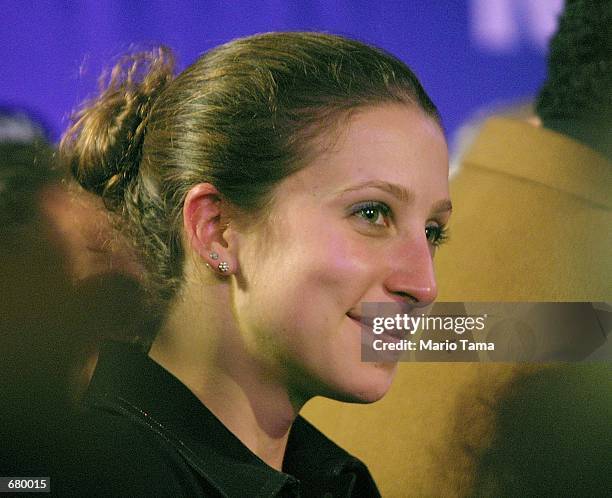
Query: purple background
(53, 51)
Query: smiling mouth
(368, 323)
(363, 321)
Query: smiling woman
(271, 188)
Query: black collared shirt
(144, 433)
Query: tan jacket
(532, 220)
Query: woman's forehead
(396, 145)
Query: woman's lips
(368, 322)
(363, 321)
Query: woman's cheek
(345, 271)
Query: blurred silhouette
(66, 285)
(550, 434)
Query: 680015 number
(29, 484)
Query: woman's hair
(242, 117)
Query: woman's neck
(212, 361)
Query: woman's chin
(367, 386)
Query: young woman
(272, 187)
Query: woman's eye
(375, 213)
(436, 234)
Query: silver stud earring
(214, 255)
(223, 266)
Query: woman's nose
(412, 276)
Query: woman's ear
(203, 221)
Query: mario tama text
(431, 345)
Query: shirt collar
(127, 380)
(519, 149)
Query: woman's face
(359, 224)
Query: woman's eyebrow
(442, 206)
(401, 193)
